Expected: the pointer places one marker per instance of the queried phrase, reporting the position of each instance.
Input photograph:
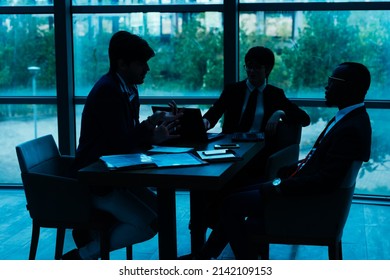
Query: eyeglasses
(331, 78)
(254, 68)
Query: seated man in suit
(110, 125)
(251, 105)
(347, 138)
(254, 105)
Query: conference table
(166, 181)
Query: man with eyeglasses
(346, 138)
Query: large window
(188, 46)
(23, 123)
(374, 175)
(194, 41)
(25, 2)
(144, 2)
(27, 84)
(310, 43)
(27, 55)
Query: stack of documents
(219, 155)
(170, 150)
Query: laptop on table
(191, 125)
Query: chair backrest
(36, 151)
(52, 192)
(313, 216)
(286, 135)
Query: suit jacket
(348, 140)
(110, 123)
(231, 102)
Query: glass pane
(189, 51)
(374, 177)
(144, 2)
(297, 1)
(26, 3)
(377, 172)
(27, 55)
(20, 123)
(308, 45)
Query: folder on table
(141, 160)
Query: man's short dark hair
(129, 47)
(261, 56)
(358, 77)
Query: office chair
(55, 198)
(308, 220)
(284, 157)
(285, 149)
(286, 134)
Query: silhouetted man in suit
(347, 138)
(270, 103)
(254, 105)
(251, 105)
(110, 125)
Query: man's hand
(173, 106)
(166, 131)
(160, 116)
(166, 124)
(273, 122)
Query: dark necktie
(134, 103)
(321, 136)
(250, 110)
(316, 144)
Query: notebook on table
(191, 125)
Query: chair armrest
(56, 198)
(62, 166)
(320, 215)
(284, 157)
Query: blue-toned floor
(366, 235)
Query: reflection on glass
(375, 174)
(299, 1)
(189, 51)
(26, 3)
(310, 44)
(144, 2)
(27, 44)
(18, 123)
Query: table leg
(198, 226)
(167, 241)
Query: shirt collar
(252, 87)
(123, 85)
(341, 113)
